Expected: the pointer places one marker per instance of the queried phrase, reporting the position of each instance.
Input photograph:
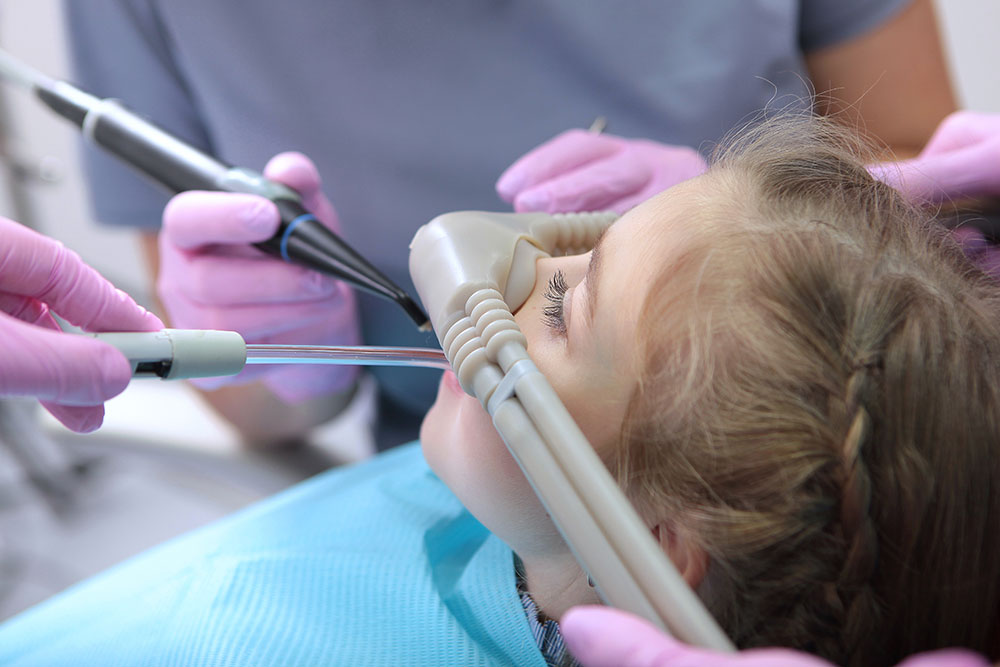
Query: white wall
(971, 31)
(30, 29)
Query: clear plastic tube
(356, 355)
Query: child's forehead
(682, 211)
(643, 243)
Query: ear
(689, 559)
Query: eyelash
(555, 293)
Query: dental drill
(472, 270)
(178, 166)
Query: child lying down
(794, 376)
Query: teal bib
(375, 564)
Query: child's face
(592, 365)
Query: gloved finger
(210, 280)
(27, 310)
(982, 252)
(591, 187)
(605, 637)
(970, 238)
(35, 266)
(79, 418)
(961, 129)
(966, 172)
(300, 174)
(59, 367)
(252, 322)
(195, 219)
(564, 152)
(946, 658)
(654, 187)
(891, 173)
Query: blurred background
(71, 505)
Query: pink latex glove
(585, 171)
(212, 278)
(72, 375)
(984, 254)
(961, 160)
(605, 637)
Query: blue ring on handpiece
(288, 231)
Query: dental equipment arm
(178, 166)
(472, 269)
(179, 354)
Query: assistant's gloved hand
(605, 637)
(584, 171)
(961, 160)
(72, 375)
(212, 278)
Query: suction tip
(418, 316)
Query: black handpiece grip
(294, 215)
(303, 239)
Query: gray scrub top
(412, 109)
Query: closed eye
(555, 293)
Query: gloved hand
(605, 637)
(72, 375)
(983, 254)
(584, 171)
(212, 278)
(961, 160)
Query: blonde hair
(821, 410)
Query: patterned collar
(543, 629)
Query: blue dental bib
(375, 564)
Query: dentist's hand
(72, 375)
(961, 160)
(585, 171)
(605, 637)
(212, 278)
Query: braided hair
(820, 407)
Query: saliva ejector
(183, 354)
(178, 166)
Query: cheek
(463, 448)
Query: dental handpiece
(178, 354)
(178, 166)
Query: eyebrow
(592, 272)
